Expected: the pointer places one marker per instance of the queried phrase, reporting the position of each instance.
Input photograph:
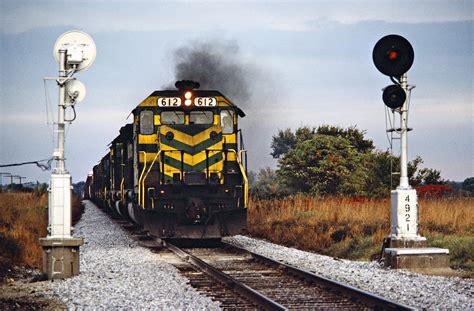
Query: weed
(355, 227)
(23, 220)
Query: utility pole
(74, 51)
(20, 178)
(1, 178)
(11, 178)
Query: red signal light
(392, 55)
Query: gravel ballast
(401, 286)
(118, 273)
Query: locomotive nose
(195, 210)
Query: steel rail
(379, 303)
(249, 293)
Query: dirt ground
(23, 289)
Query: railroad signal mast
(73, 51)
(393, 56)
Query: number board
(169, 102)
(205, 102)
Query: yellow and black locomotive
(179, 170)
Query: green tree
(468, 186)
(286, 140)
(266, 184)
(324, 165)
(331, 160)
(380, 181)
(422, 176)
(282, 142)
(352, 133)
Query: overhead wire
(42, 166)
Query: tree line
(334, 161)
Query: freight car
(179, 170)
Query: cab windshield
(201, 117)
(172, 117)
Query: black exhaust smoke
(219, 65)
(216, 66)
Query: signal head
(80, 47)
(393, 55)
(394, 96)
(187, 85)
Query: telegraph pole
(1, 178)
(20, 178)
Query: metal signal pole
(60, 184)
(403, 138)
(393, 56)
(404, 201)
(74, 51)
(60, 165)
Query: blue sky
(309, 63)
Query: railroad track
(243, 280)
(272, 285)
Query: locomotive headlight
(187, 97)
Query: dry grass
(23, 220)
(347, 227)
(447, 216)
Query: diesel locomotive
(179, 170)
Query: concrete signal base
(405, 249)
(61, 257)
(415, 256)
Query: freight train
(179, 170)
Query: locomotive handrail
(141, 175)
(122, 189)
(243, 152)
(244, 175)
(146, 175)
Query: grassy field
(23, 220)
(355, 228)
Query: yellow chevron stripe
(147, 139)
(175, 154)
(169, 170)
(216, 168)
(188, 139)
(191, 159)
